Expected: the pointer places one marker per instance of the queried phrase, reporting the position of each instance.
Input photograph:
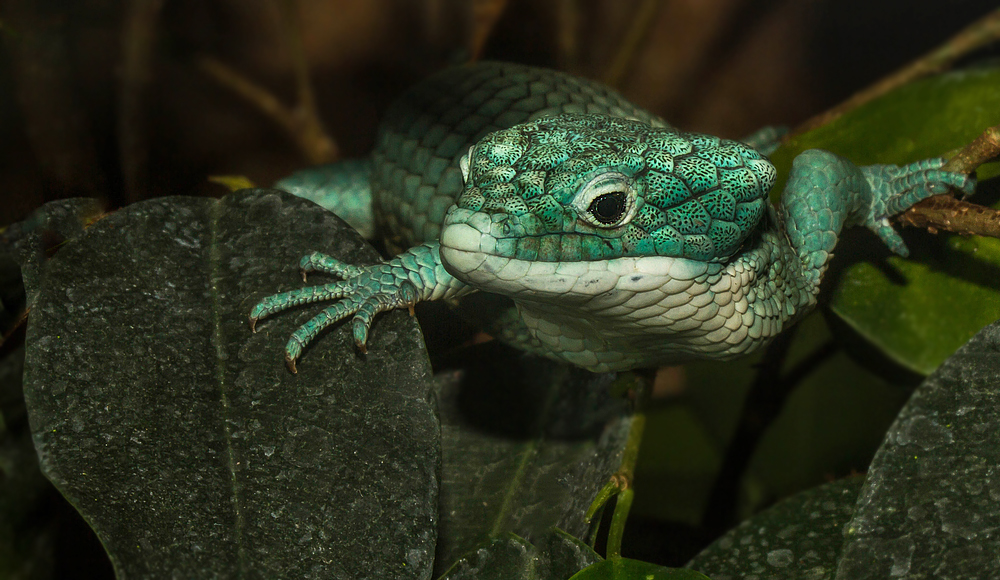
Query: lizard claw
(362, 293)
(896, 189)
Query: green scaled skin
(621, 241)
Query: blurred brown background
(106, 98)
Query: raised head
(592, 187)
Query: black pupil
(608, 207)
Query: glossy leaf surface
(526, 445)
(626, 569)
(929, 507)
(918, 310)
(797, 539)
(181, 437)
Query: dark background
(79, 117)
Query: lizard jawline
(625, 312)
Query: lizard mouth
(463, 255)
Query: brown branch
(302, 124)
(637, 32)
(297, 53)
(978, 34)
(979, 151)
(944, 212)
(485, 15)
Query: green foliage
(188, 448)
(916, 310)
(626, 569)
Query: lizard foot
(362, 292)
(897, 188)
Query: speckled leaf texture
(556, 556)
(797, 539)
(917, 310)
(626, 569)
(526, 444)
(930, 507)
(181, 437)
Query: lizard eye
(608, 207)
(606, 201)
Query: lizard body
(622, 241)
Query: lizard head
(591, 187)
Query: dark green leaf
(26, 529)
(557, 556)
(26, 540)
(797, 539)
(930, 507)
(181, 437)
(831, 424)
(31, 242)
(626, 569)
(921, 309)
(526, 445)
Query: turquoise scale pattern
(431, 126)
(698, 196)
(691, 262)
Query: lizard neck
(623, 313)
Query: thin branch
(302, 121)
(302, 125)
(634, 37)
(762, 405)
(251, 92)
(485, 15)
(978, 34)
(944, 212)
(297, 52)
(979, 151)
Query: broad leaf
(797, 539)
(929, 508)
(556, 556)
(626, 569)
(917, 310)
(181, 437)
(526, 445)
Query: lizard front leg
(413, 276)
(826, 193)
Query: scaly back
(416, 178)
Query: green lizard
(621, 241)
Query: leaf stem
(620, 484)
